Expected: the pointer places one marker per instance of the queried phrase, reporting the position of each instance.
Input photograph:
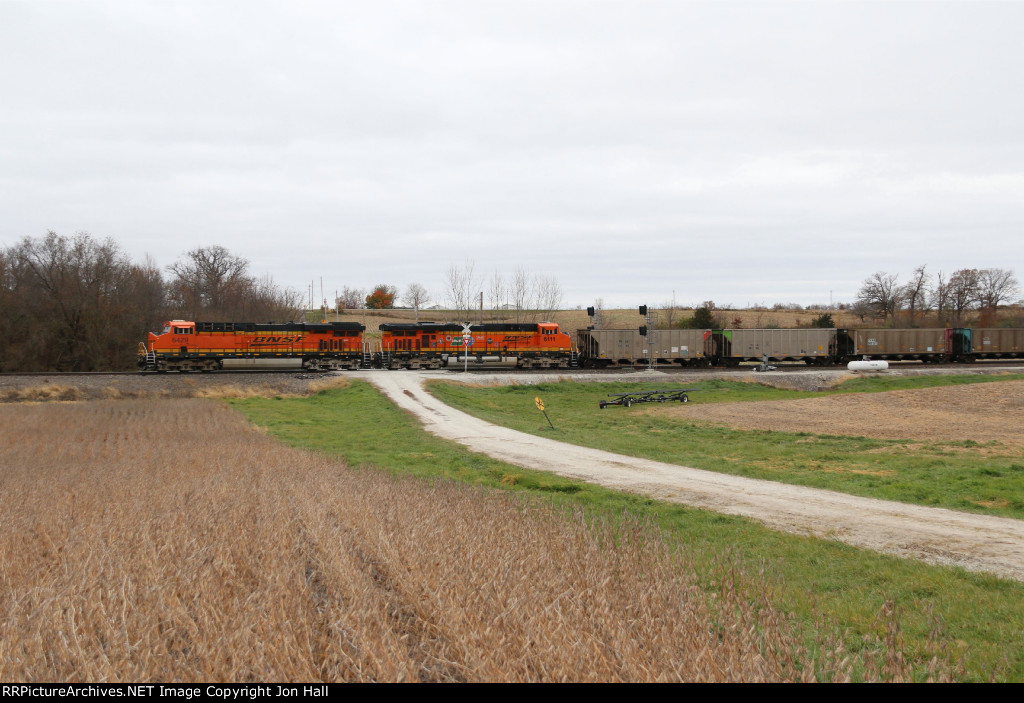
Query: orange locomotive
(202, 346)
(432, 344)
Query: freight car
(930, 345)
(203, 346)
(813, 346)
(433, 344)
(993, 342)
(611, 348)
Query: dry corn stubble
(169, 541)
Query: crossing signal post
(467, 342)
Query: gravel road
(938, 536)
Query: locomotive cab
(175, 333)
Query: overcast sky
(742, 152)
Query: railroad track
(781, 368)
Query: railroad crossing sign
(466, 341)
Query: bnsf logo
(269, 341)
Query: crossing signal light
(643, 331)
(643, 310)
(590, 311)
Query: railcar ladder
(367, 357)
(574, 358)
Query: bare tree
(73, 303)
(267, 301)
(548, 293)
(351, 298)
(995, 286)
(211, 283)
(460, 289)
(207, 281)
(520, 289)
(915, 293)
(963, 291)
(882, 293)
(941, 298)
(496, 292)
(416, 296)
(861, 309)
(668, 313)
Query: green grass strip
(982, 616)
(982, 478)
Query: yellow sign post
(540, 406)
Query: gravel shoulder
(938, 536)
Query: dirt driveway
(939, 536)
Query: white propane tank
(868, 365)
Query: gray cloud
(745, 152)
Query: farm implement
(628, 399)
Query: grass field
(962, 475)
(981, 617)
(130, 554)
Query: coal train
(204, 346)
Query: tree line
(80, 304)
(518, 297)
(945, 299)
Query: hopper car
(812, 346)
(611, 348)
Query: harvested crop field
(55, 387)
(983, 412)
(168, 540)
